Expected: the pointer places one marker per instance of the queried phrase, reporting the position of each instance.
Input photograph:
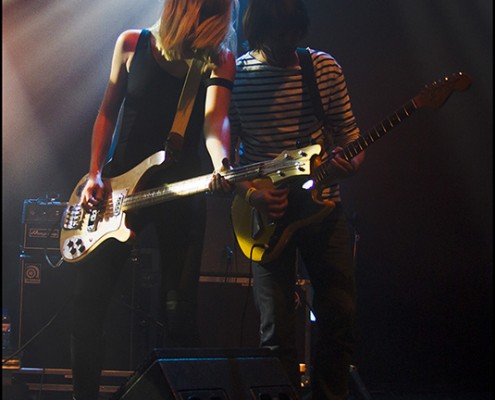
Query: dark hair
(275, 27)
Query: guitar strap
(309, 79)
(175, 139)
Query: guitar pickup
(93, 221)
(116, 204)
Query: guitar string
(262, 168)
(154, 195)
(243, 173)
(320, 171)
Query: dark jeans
(180, 231)
(326, 250)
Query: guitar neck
(166, 192)
(354, 148)
(200, 184)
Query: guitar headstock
(291, 163)
(436, 94)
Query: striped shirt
(271, 109)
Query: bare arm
(104, 126)
(216, 125)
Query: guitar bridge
(73, 217)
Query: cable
(42, 381)
(50, 263)
(139, 311)
(135, 264)
(302, 300)
(228, 262)
(20, 349)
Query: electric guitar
(262, 240)
(82, 232)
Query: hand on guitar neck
(218, 184)
(342, 168)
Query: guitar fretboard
(166, 192)
(281, 167)
(353, 149)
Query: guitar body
(82, 232)
(262, 240)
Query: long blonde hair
(201, 27)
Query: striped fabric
(271, 110)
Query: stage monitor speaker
(208, 374)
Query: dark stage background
(422, 203)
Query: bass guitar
(82, 232)
(262, 240)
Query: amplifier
(41, 222)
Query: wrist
(94, 173)
(248, 194)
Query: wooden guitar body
(262, 240)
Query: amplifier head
(41, 221)
(36, 210)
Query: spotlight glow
(308, 184)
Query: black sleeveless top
(150, 104)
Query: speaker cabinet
(208, 374)
(45, 313)
(132, 326)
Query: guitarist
(146, 78)
(271, 110)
